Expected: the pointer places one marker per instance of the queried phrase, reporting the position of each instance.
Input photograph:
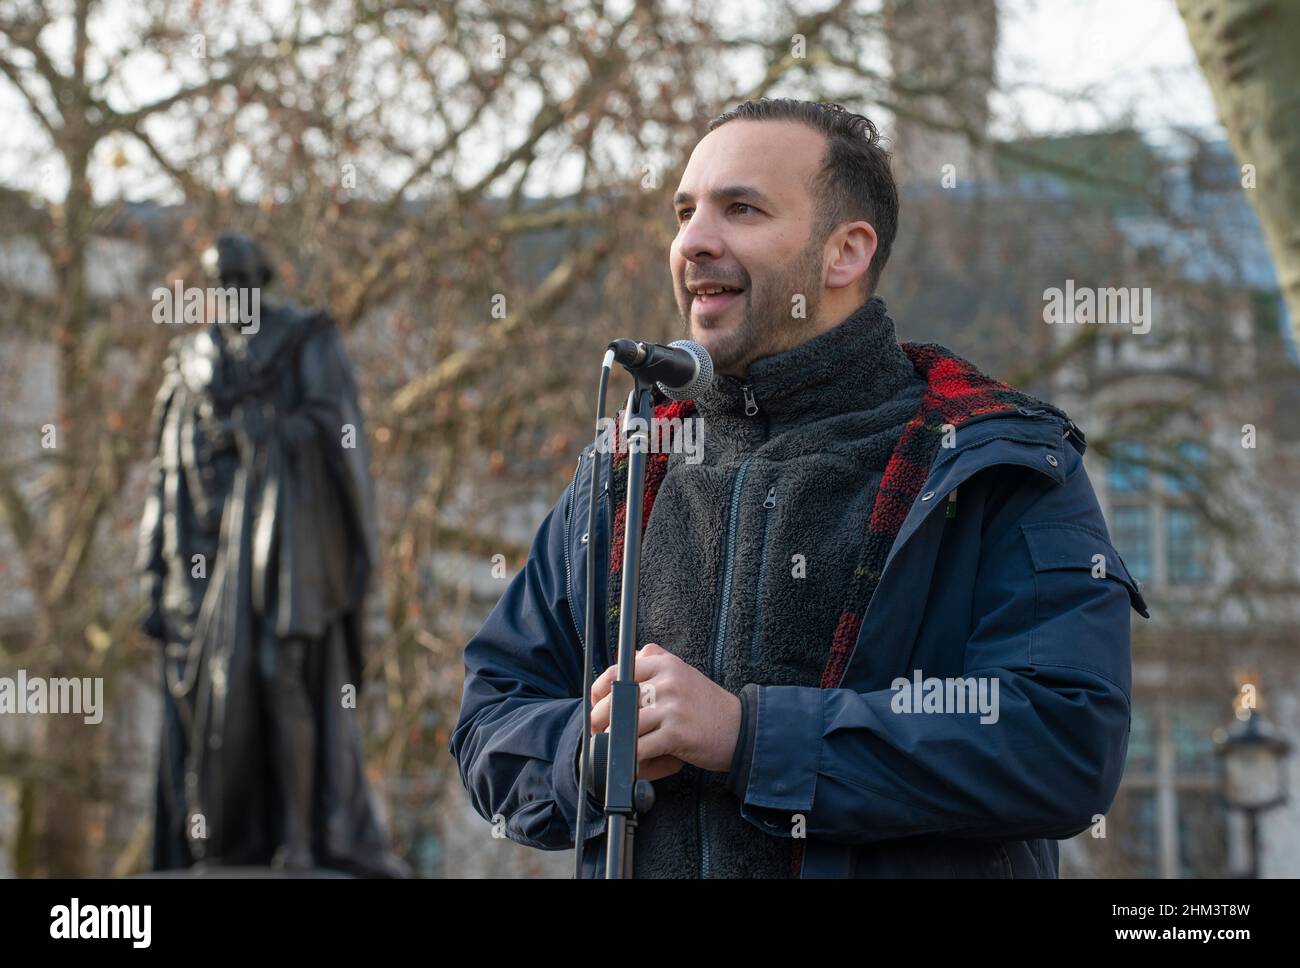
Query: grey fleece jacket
(748, 557)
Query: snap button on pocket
(1051, 460)
(927, 495)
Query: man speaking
(883, 626)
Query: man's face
(744, 221)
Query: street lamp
(1253, 776)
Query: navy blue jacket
(1010, 586)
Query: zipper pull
(771, 497)
(952, 503)
(751, 405)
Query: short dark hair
(855, 181)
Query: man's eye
(749, 209)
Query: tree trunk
(1247, 49)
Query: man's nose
(700, 238)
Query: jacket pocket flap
(1056, 544)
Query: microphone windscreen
(703, 372)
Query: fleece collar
(857, 365)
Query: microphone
(681, 369)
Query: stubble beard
(769, 325)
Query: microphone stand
(625, 795)
(615, 750)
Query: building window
(1188, 465)
(1168, 819)
(1161, 537)
(1184, 547)
(1141, 744)
(1202, 834)
(1133, 818)
(1132, 534)
(1127, 473)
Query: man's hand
(685, 716)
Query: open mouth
(709, 300)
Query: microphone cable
(590, 617)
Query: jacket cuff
(566, 777)
(738, 777)
(595, 806)
(788, 728)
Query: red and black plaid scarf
(956, 392)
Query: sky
(1134, 53)
(1063, 65)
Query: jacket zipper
(768, 504)
(568, 565)
(724, 608)
(728, 567)
(568, 537)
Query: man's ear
(854, 248)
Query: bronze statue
(257, 544)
